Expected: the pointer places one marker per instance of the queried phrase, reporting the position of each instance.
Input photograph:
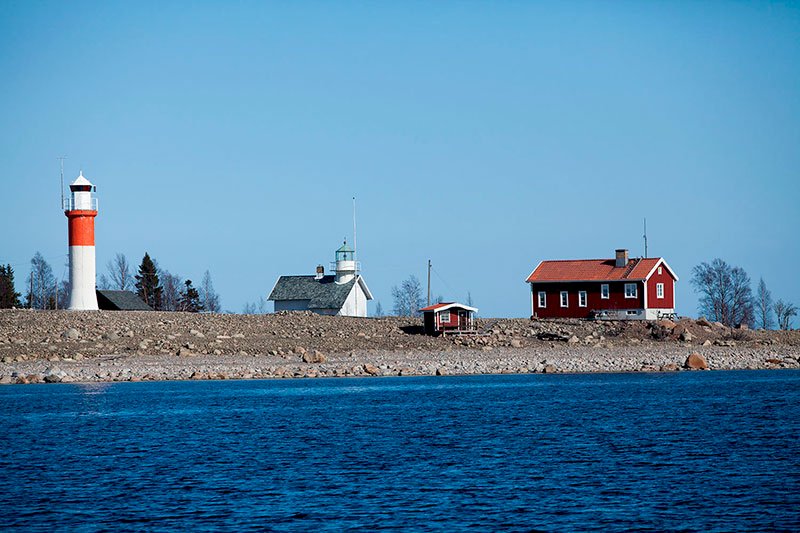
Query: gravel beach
(100, 346)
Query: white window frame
(442, 315)
(659, 271)
(631, 294)
(660, 290)
(564, 298)
(542, 299)
(605, 291)
(583, 299)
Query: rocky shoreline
(86, 347)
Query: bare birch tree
(763, 306)
(119, 274)
(208, 297)
(408, 297)
(784, 311)
(725, 293)
(171, 286)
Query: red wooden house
(448, 316)
(619, 288)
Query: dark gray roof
(120, 301)
(324, 293)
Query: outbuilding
(618, 288)
(448, 316)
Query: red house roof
(596, 270)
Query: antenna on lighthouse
(61, 159)
(355, 241)
(645, 238)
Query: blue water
(681, 451)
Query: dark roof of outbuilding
(324, 293)
(120, 301)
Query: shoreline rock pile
(59, 346)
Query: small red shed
(448, 316)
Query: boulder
(372, 370)
(695, 361)
(686, 336)
(516, 343)
(667, 324)
(707, 342)
(573, 340)
(314, 357)
(702, 321)
(71, 334)
(670, 367)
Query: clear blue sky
(486, 136)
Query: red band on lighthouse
(81, 227)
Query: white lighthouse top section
(346, 265)
(82, 197)
(80, 180)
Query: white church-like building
(345, 293)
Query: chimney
(320, 272)
(622, 258)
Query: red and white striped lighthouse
(81, 208)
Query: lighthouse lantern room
(81, 209)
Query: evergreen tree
(9, 297)
(147, 284)
(190, 299)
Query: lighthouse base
(83, 295)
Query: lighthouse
(345, 265)
(81, 208)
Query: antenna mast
(61, 159)
(645, 238)
(355, 240)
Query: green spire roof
(345, 248)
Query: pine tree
(147, 284)
(190, 299)
(9, 297)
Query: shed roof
(596, 270)
(322, 293)
(443, 306)
(120, 301)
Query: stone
(185, 352)
(573, 340)
(549, 369)
(702, 321)
(314, 357)
(707, 343)
(54, 375)
(695, 361)
(516, 343)
(71, 334)
(686, 336)
(372, 370)
(670, 367)
(667, 324)
(6, 380)
(441, 371)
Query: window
(659, 290)
(630, 290)
(564, 299)
(631, 313)
(581, 298)
(444, 316)
(604, 291)
(659, 271)
(542, 299)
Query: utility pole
(62, 158)
(429, 282)
(645, 238)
